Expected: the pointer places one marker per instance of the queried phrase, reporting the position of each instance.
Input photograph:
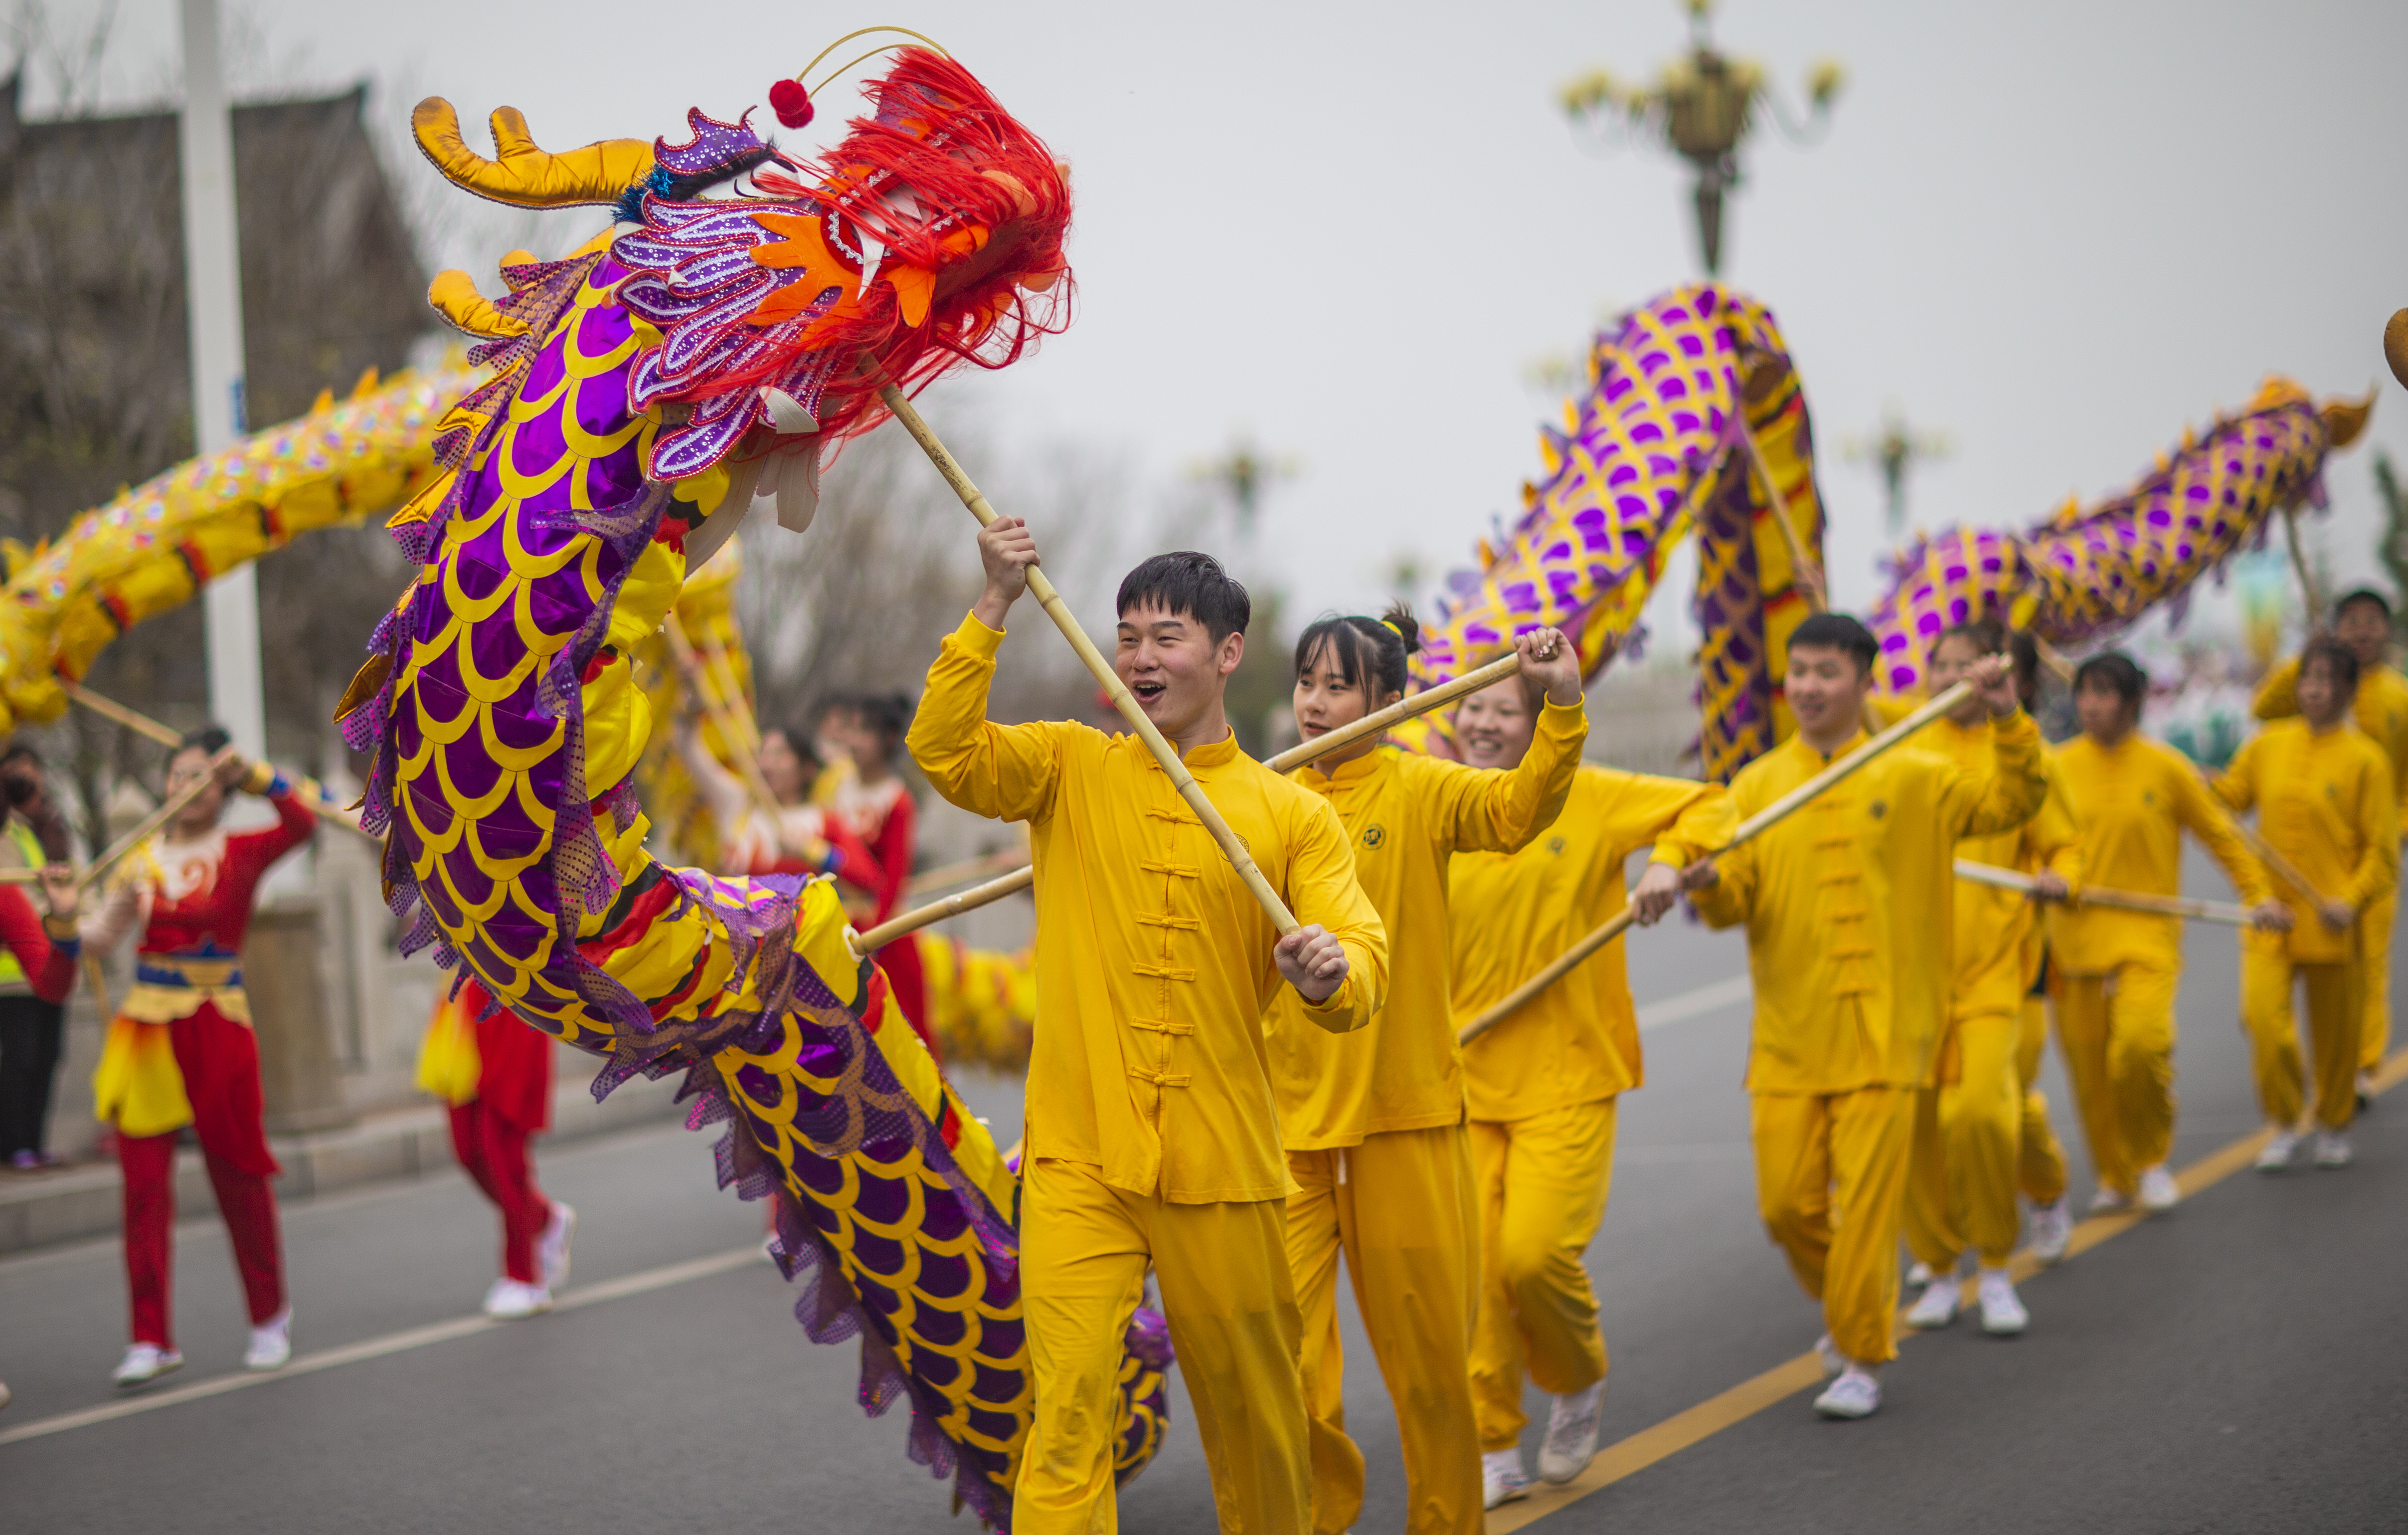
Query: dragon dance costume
(181, 1052)
(647, 381)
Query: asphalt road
(2231, 1367)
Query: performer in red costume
(181, 1050)
(874, 804)
(496, 1073)
(45, 948)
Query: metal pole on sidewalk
(213, 323)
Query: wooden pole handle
(1806, 574)
(1753, 828)
(748, 767)
(141, 724)
(152, 822)
(936, 912)
(1042, 588)
(2222, 912)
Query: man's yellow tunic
(2120, 969)
(1373, 1124)
(2325, 801)
(1848, 906)
(1543, 1083)
(1152, 1126)
(2382, 713)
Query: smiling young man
(1152, 1130)
(2133, 798)
(2362, 622)
(1969, 1124)
(2323, 800)
(1373, 1121)
(1848, 905)
(1542, 1085)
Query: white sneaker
(1936, 1307)
(2003, 1310)
(2333, 1149)
(271, 1342)
(510, 1300)
(145, 1362)
(552, 1248)
(1570, 1444)
(2281, 1141)
(1855, 1395)
(2110, 1201)
(2051, 1231)
(1501, 1477)
(1827, 1353)
(1918, 1274)
(2158, 1191)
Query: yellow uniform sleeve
(1727, 902)
(1322, 889)
(2237, 785)
(2200, 811)
(2278, 696)
(1683, 819)
(1499, 811)
(2053, 837)
(2009, 793)
(2377, 873)
(1006, 772)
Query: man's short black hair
(2364, 593)
(209, 739)
(2114, 670)
(1191, 585)
(2341, 663)
(1837, 632)
(19, 751)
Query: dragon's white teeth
(786, 413)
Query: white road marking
(1694, 1004)
(377, 1348)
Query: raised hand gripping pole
(1754, 826)
(2221, 913)
(1042, 590)
(141, 724)
(1286, 761)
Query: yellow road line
(1631, 1455)
(377, 1348)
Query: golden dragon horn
(522, 174)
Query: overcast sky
(2055, 232)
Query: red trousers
(494, 1152)
(219, 1062)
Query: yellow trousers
(2374, 949)
(1399, 1208)
(1083, 1250)
(2040, 1161)
(2336, 1013)
(1543, 1182)
(1962, 1190)
(2118, 1031)
(1830, 1179)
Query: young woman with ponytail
(1373, 1121)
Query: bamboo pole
(1754, 826)
(1042, 588)
(321, 800)
(2225, 913)
(985, 865)
(1805, 573)
(168, 812)
(1286, 761)
(2299, 568)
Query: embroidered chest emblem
(1878, 809)
(1375, 834)
(1556, 845)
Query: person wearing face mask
(1153, 1128)
(1969, 1124)
(2133, 798)
(1847, 906)
(181, 1050)
(1373, 1121)
(2362, 622)
(1542, 1085)
(2324, 800)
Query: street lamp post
(1702, 107)
(1893, 451)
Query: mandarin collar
(1829, 757)
(1346, 775)
(1212, 754)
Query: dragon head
(780, 294)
